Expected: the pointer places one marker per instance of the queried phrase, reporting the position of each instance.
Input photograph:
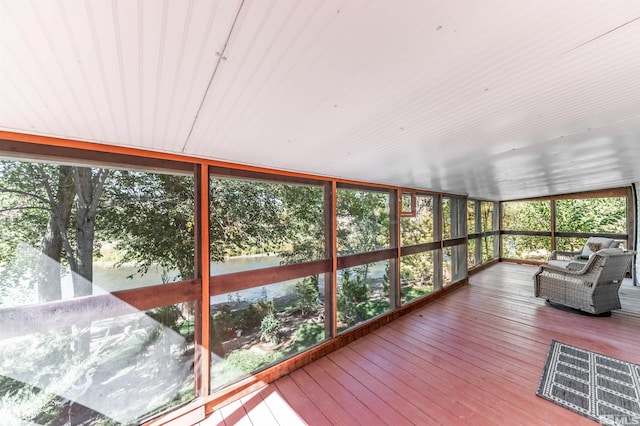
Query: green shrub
(222, 325)
(371, 308)
(168, 316)
(385, 280)
(247, 361)
(270, 328)
(350, 293)
(305, 336)
(307, 295)
(253, 314)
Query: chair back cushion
(597, 243)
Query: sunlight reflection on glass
(112, 370)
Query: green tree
(151, 216)
(592, 215)
(307, 295)
(303, 214)
(25, 214)
(351, 292)
(363, 221)
(270, 328)
(585, 215)
(589, 215)
(246, 217)
(49, 191)
(418, 229)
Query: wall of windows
(157, 281)
(532, 229)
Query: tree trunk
(89, 192)
(49, 285)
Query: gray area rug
(597, 386)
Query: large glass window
(116, 370)
(253, 328)
(74, 231)
(257, 224)
(526, 216)
(489, 222)
(474, 253)
(527, 247)
(363, 293)
(487, 216)
(362, 227)
(588, 216)
(454, 267)
(571, 244)
(471, 253)
(77, 243)
(592, 215)
(529, 217)
(454, 219)
(416, 275)
(419, 229)
(488, 247)
(527, 225)
(268, 280)
(471, 216)
(363, 221)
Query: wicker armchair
(576, 260)
(593, 288)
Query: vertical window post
(205, 273)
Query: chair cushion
(559, 263)
(597, 243)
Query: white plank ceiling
(498, 99)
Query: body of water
(108, 279)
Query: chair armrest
(564, 255)
(575, 265)
(570, 271)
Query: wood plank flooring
(473, 357)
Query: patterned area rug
(599, 387)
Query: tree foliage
(363, 221)
(303, 214)
(246, 216)
(351, 292)
(592, 215)
(526, 216)
(38, 194)
(151, 218)
(306, 295)
(576, 215)
(419, 229)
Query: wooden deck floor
(472, 357)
